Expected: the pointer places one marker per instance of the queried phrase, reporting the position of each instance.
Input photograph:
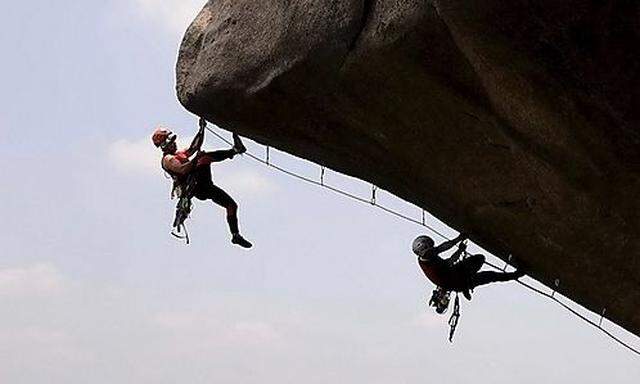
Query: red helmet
(162, 137)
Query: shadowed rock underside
(515, 121)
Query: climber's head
(422, 244)
(440, 300)
(165, 140)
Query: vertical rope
(507, 263)
(374, 189)
(455, 317)
(556, 283)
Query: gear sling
(184, 190)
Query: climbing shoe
(241, 241)
(467, 294)
(238, 147)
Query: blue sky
(93, 289)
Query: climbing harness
(183, 189)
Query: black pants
(470, 269)
(206, 190)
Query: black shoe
(241, 241)
(467, 294)
(518, 274)
(238, 147)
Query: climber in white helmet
(453, 275)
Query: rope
(422, 223)
(455, 317)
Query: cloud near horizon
(134, 156)
(172, 15)
(41, 279)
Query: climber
(449, 275)
(191, 171)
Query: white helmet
(421, 244)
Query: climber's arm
(198, 140)
(449, 244)
(173, 165)
(456, 255)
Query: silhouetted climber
(453, 275)
(190, 170)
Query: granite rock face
(515, 121)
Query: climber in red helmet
(449, 274)
(191, 169)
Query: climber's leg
(222, 198)
(487, 277)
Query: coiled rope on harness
(183, 190)
(183, 210)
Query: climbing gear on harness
(183, 209)
(440, 298)
(455, 316)
(421, 244)
(184, 191)
(238, 147)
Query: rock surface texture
(516, 121)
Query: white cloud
(253, 332)
(215, 327)
(429, 319)
(34, 280)
(138, 156)
(172, 15)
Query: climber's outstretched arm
(198, 140)
(449, 244)
(456, 255)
